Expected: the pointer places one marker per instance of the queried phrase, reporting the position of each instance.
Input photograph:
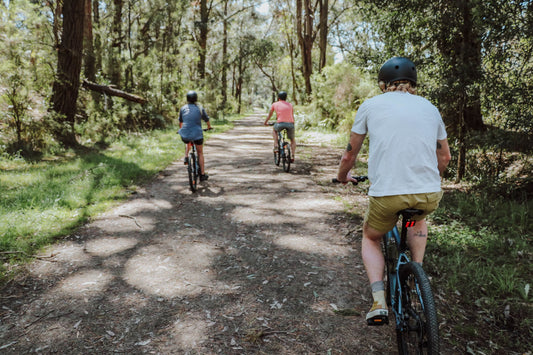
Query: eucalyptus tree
(69, 60)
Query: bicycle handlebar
(358, 178)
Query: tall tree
(202, 33)
(323, 32)
(305, 13)
(69, 60)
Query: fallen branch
(28, 255)
(131, 217)
(111, 91)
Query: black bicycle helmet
(192, 97)
(397, 68)
(282, 95)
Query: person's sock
(378, 292)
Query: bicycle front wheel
(419, 328)
(192, 169)
(286, 157)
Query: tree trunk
(304, 29)
(89, 58)
(471, 52)
(66, 86)
(224, 79)
(323, 30)
(202, 38)
(117, 44)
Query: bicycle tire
(390, 251)
(420, 333)
(192, 170)
(286, 157)
(277, 157)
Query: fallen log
(109, 90)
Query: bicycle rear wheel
(192, 169)
(277, 157)
(286, 156)
(420, 333)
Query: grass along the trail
(481, 258)
(50, 198)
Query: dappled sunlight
(309, 244)
(69, 253)
(83, 284)
(185, 270)
(111, 245)
(188, 333)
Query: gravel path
(256, 262)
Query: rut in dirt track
(253, 263)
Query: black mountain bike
(408, 291)
(283, 154)
(193, 167)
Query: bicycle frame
(401, 243)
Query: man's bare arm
(443, 155)
(350, 155)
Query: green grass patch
(481, 254)
(50, 198)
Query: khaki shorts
(382, 211)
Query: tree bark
(471, 53)
(117, 43)
(66, 85)
(224, 79)
(89, 57)
(306, 37)
(111, 91)
(202, 37)
(323, 30)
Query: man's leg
(417, 237)
(372, 253)
(375, 266)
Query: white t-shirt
(403, 130)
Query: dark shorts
(279, 126)
(197, 142)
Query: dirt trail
(254, 263)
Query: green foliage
(339, 90)
(22, 79)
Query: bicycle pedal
(378, 320)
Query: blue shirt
(191, 116)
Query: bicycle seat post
(407, 222)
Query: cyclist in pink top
(284, 120)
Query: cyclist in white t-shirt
(408, 151)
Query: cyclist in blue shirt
(408, 150)
(190, 118)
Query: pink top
(283, 111)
